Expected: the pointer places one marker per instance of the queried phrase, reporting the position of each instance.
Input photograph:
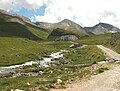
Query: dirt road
(109, 53)
(107, 81)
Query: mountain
(69, 25)
(63, 28)
(102, 28)
(12, 25)
(65, 25)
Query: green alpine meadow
(41, 56)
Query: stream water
(44, 62)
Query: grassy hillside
(19, 50)
(14, 26)
(114, 42)
(111, 40)
(94, 39)
(57, 33)
(86, 55)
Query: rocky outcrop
(68, 38)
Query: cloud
(83, 12)
(18, 4)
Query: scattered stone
(25, 74)
(59, 81)
(41, 72)
(28, 83)
(102, 62)
(16, 90)
(50, 60)
(75, 45)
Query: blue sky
(84, 12)
(30, 12)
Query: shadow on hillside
(12, 29)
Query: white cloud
(18, 4)
(84, 12)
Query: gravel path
(109, 53)
(107, 81)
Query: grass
(20, 50)
(17, 46)
(46, 80)
(86, 55)
(94, 39)
(79, 67)
(114, 42)
(101, 70)
(49, 80)
(14, 26)
(57, 33)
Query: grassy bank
(95, 39)
(114, 42)
(81, 60)
(20, 50)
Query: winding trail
(109, 53)
(107, 81)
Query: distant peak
(66, 20)
(101, 23)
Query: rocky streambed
(48, 61)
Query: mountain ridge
(66, 24)
(102, 28)
(13, 25)
(20, 26)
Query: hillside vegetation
(20, 50)
(57, 33)
(22, 41)
(15, 26)
(79, 61)
(114, 42)
(95, 39)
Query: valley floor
(107, 81)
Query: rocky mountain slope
(102, 28)
(12, 25)
(62, 29)
(65, 25)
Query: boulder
(75, 45)
(59, 81)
